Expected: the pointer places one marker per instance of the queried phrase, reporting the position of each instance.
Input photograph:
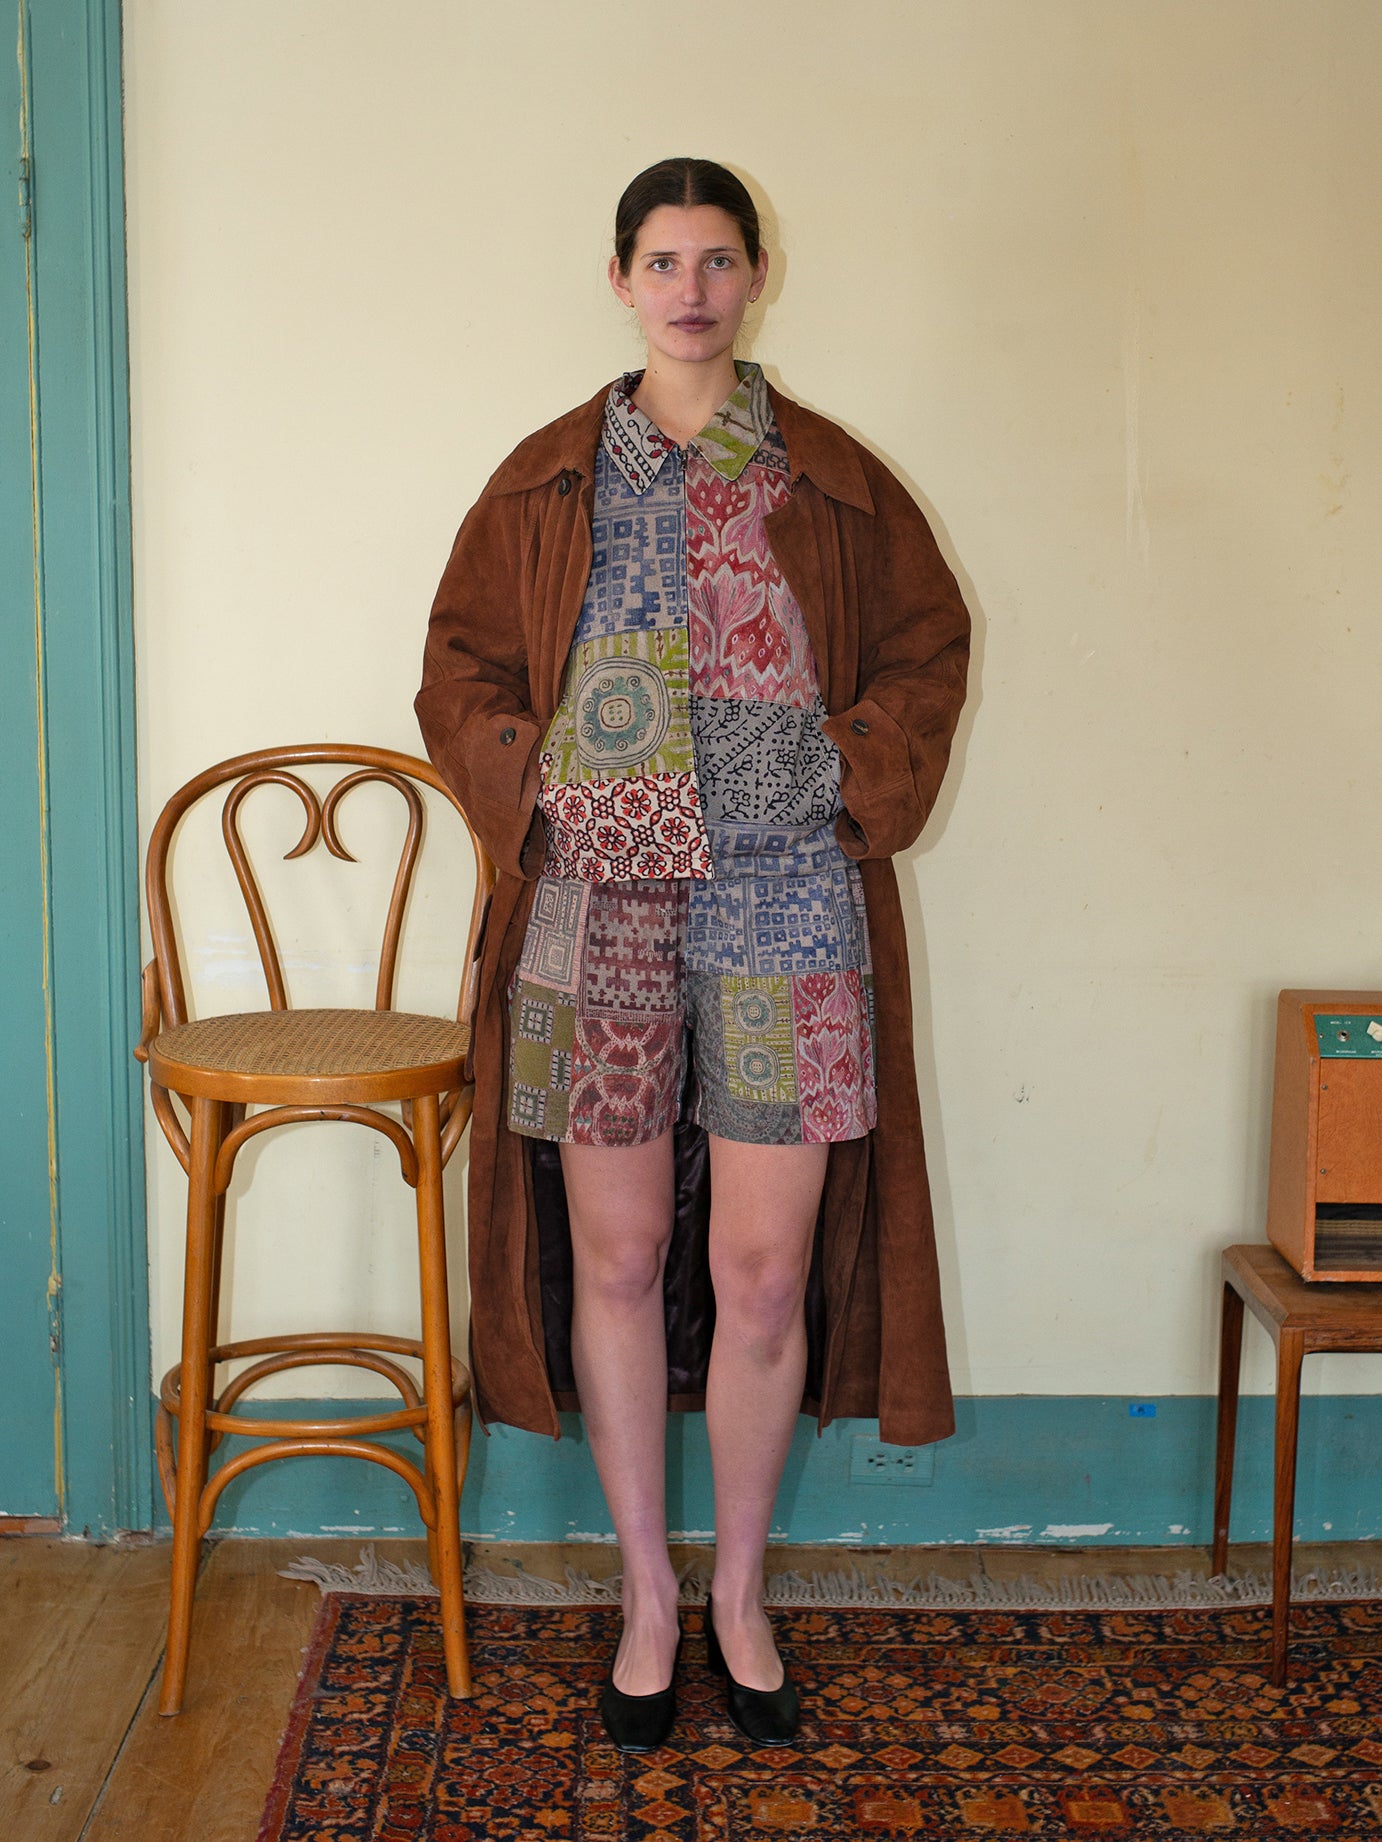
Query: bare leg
(764, 1200)
(620, 1203)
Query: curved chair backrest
(275, 766)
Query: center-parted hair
(683, 182)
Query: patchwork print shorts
(758, 984)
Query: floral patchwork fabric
(612, 975)
(693, 878)
(597, 1015)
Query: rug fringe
(1087, 1592)
(483, 1586)
(845, 1587)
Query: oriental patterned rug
(1092, 1724)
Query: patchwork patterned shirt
(694, 889)
(691, 707)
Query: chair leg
(1290, 1351)
(445, 1541)
(433, 1557)
(232, 1117)
(463, 1428)
(198, 1283)
(1230, 1362)
(218, 1229)
(462, 1445)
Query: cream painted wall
(1099, 278)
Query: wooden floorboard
(203, 1775)
(83, 1629)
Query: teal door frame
(28, 1374)
(69, 62)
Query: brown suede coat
(890, 635)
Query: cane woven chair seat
(397, 1053)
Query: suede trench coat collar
(890, 635)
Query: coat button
(506, 736)
(859, 726)
(564, 485)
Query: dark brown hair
(684, 182)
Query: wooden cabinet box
(1324, 1203)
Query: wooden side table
(1302, 1318)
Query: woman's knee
(759, 1294)
(620, 1267)
(620, 1207)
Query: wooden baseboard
(29, 1525)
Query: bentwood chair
(240, 1075)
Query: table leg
(1289, 1353)
(1230, 1355)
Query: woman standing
(693, 671)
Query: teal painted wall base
(1021, 1470)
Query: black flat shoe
(768, 1717)
(639, 1723)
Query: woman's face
(689, 281)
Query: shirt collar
(817, 449)
(728, 441)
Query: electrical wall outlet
(872, 1462)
